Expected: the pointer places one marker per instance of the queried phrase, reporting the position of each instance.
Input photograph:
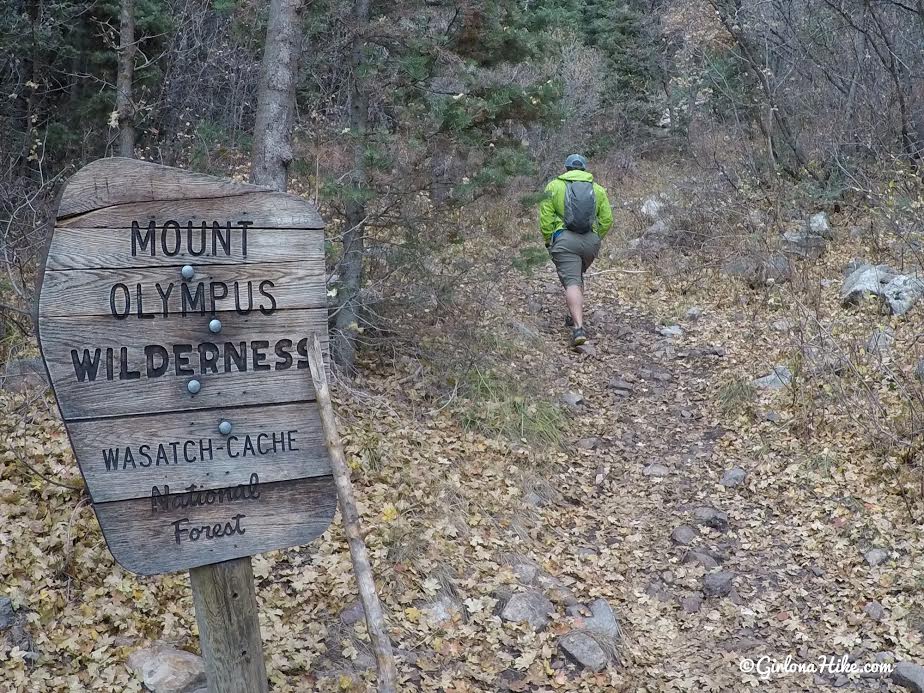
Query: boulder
(165, 669)
(530, 607)
(584, 650)
(909, 675)
(777, 379)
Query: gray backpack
(580, 206)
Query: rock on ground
(584, 650)
(733, 477)
(717, 519)
(603, 622)
(572, 399)
(656, 469)
(530, 607)
(671, 331)
(165, 669)
(718, 584)
(909, 675)
(819, 225)
(875, 556)
(684, 535)
(691, 604)
(7, 615)
(865, 279)
(777, 379)
(702, 558)
(758, 271)
(919, 370)
(802, 242)
(899, 292)
(874, 610)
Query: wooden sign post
(174, 318)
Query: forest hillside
(729, 470)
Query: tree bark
(272, 134)
(362, 569)
(124, 79)
(351, 265)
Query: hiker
(574, 217)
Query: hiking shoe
(578, 336)
(569, 321)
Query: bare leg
(574, 296)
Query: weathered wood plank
(92, 248)
(229, 627)
(262, 210)
(117, 181)
(139, 386)
(150, 538)
(124, 458)
(214, 288)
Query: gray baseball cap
(576, 161)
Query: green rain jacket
(552, 208)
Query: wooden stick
(375, 621)
(229, 629)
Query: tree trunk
(124, 78)
(351, 265)
(272, 133)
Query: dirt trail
(657, 464)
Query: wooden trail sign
(174, 318)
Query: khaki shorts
(572, 254)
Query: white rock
(876, 556)
(656, 469)
(671, 331)
(652, 208)
(818, 224)
(165, 669)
